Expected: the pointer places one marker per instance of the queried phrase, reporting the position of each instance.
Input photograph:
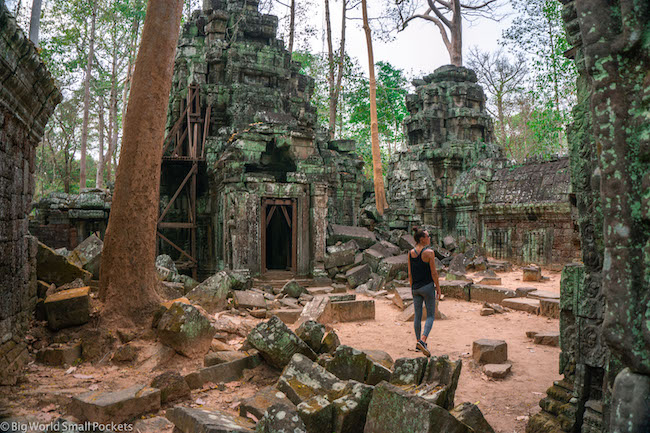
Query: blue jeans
(428, 295)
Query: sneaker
(422, 347)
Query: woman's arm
(409, 266)
(434, 272)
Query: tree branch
(441, 17)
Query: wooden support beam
(176, 225)
(176, 247)
(178, 191)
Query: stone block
(441, 376)
(54, 268)
(349, 311)
(456, 289)
(409, 371)
(343, 297)
(349, 411)
(403, 297)
(550, 308)
(225, 372)
(377, 373)
(277, 343)
(457, 276)
(543, 294)
(320, 290)
(348, 363)
(186, 330)
(491, 294)
(497, 371)
(491, 281)
(470, 415)
(390, 267)
(330, 342)
(358, 275)
(117, 406)
(256, 405)
(373, 257)
(361, 235)
(88, 254)
(249, 299)
(172, 386)
(281, 418)
(406, 242)
(221, 357)
(315, 309)
(341, 255)
(522, 304)
(487, 311)
(394, 410)
(293, 289)
(212, 293)
(191, 420)
(303, 379)
(316, 412)
(630, 402)
(342, 145)
(523, 292)
(500, 266)
(59, 354)
(156, 424)
(532, 273)
(287, 315)
(488, 351)
(547, 338)
(458, 264)
(449, 243)
(312, 333)
(68, 308)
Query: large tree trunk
(456, 30)
(128, 275)
(292, 25)
(378, 177)
(99, 178)
(35, 22)
(335, 82)
(84, 127)
(330, 67)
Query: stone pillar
(28, 96)
(319, 197)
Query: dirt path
(505, 403)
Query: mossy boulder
(277, 343)
(186, 330)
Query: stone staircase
(277, 279)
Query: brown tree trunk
(84, 127)
(334, 95)
(456, 29)
(292, 25)
(128, 276)
(99, 178)
(378, 177)
(330, 67)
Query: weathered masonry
(28, 97)
(605, 303)
(452, 178)
(246, 181)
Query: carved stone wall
(261, 141)
(605, 304)
(452, 179)
(28, 97)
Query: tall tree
(335, 69)
(447, 15)
(378, 176)
(503, 80)
(86, 113)
(129, 251)
(35, 22)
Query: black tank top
(420, 271)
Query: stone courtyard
(285, 303)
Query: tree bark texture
(378, 177)
(84, 126)
(99, 178)
(35, 22)
(128, 275)
(292, 25)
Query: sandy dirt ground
(505, 403)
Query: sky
(418, 50)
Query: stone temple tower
(247, 182)
(448, 132)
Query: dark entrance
(279, 235)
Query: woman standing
(422, 276)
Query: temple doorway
(278, 235)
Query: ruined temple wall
(28, 96)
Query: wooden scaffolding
(184, 148)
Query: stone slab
(249, 299)
(349, 311)
(488, 351)
(492, 294)
(256, 405)
(361, 235)
(68, 308)
(194, 420)
(550, 308)
(547, 338)
(403, 297)
(117, 406)
(522, 304)
(224, 372)
(221, 357)
(287, 315)
(59, 355)
(543, 294)
(456, 289)
(497, 371)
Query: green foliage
(538, 33)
